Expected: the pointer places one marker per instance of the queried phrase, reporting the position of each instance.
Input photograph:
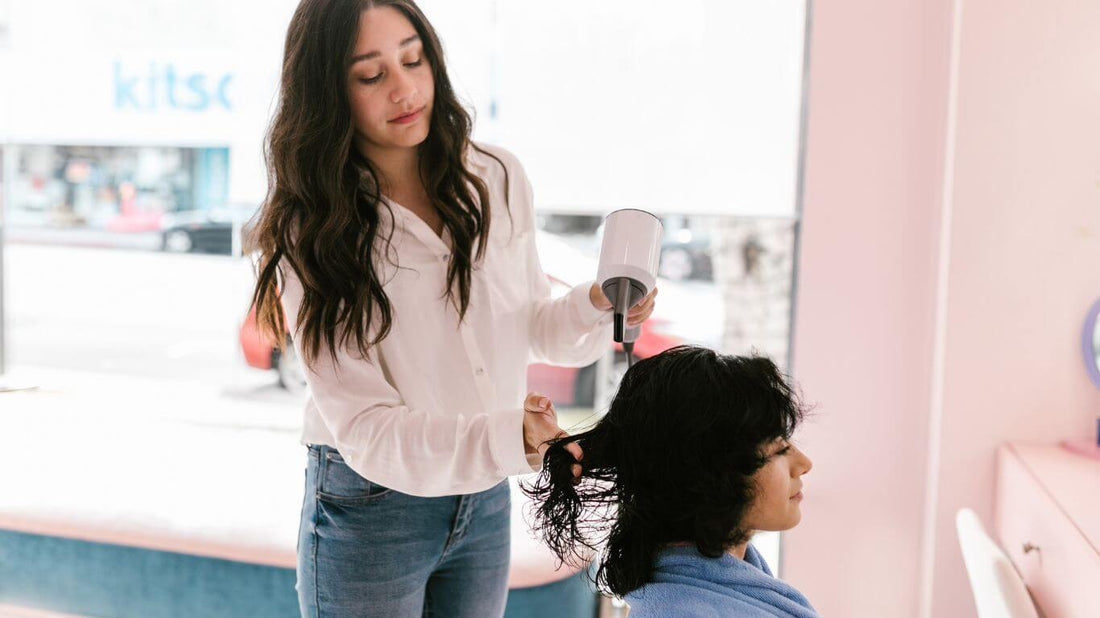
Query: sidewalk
(169, 465)
(118, 399)
(82, 237)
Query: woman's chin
(408, 137)
(397, 139)
(413, 141)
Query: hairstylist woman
(405, 257)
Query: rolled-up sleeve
(567, 331)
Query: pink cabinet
(1047, 518)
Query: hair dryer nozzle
(624, 293)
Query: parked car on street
(203, 231)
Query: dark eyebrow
(375, 54)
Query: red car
(565, 386)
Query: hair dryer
(629, 257)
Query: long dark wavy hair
(321, 214)
(671, 462)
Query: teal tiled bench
(100, 579)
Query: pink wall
(1024, 250)
(1021, 264)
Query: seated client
(692, 458)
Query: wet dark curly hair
(670, 463)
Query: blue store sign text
(161, 86)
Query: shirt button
(480, 371)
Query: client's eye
(784, 450)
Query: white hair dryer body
(629, 257)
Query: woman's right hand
(540, 425)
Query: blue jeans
(366, 550)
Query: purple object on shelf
(1090, 349)
(1088, 343)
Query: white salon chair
(999, 592)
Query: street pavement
(134, 332)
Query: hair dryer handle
(624, 333)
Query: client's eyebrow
(375, 54)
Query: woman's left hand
(540, 426)
(638, 313)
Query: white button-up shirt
(437, 407)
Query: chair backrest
(999, 592)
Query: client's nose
(803, 463)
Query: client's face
(778, 487)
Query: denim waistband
(321, 449)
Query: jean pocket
(339, 484)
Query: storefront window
(101, 188)
(112, 188)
